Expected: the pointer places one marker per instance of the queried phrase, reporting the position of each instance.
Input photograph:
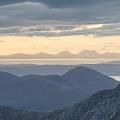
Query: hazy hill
(89, 54)
(44, 93)
(65, 54)
(104, 105)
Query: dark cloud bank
(60, 17)
(59, 3)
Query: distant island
(88, 54)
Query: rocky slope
(104, 105)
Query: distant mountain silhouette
(62, 55)
(65, 54)
(89, 54)
(47, 93)
(104, 105)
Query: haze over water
(55, 61)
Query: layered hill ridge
(104, 105)
(88, 77)
(47, 93)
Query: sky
(32, 26)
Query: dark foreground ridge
(51, 92)
(104, 105)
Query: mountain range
(91, 54)
(104, 105)
(25, 69)
(51, 92)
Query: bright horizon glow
(53, 45)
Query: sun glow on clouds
(36, 44)
(35, 26)
(94, 26)
(36, 18)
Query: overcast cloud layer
(60, 17)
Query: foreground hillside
(47, 93)
(104, 105)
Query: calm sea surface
(54, 61)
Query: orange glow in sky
(18, 44)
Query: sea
(55, 61)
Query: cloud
(60, 18)
(59, 3)
(1, 41)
